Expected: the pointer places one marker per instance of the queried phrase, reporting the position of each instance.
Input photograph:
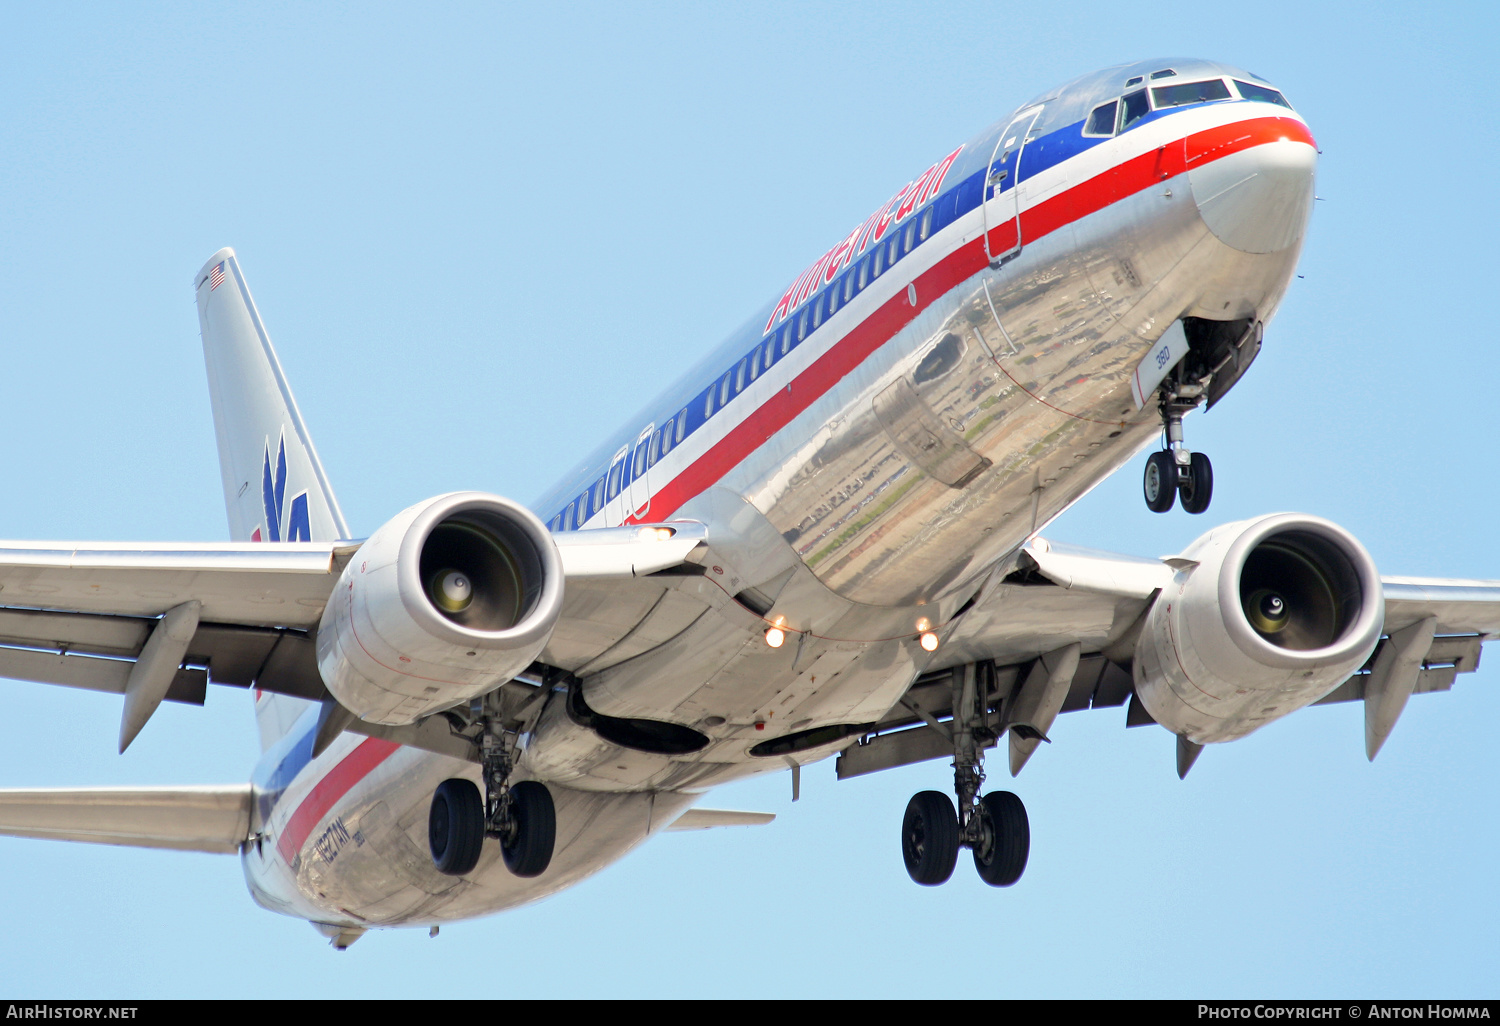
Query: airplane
(823, 541)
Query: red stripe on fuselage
(880, 327)
(325, 794)
(848, 353)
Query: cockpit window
(1136, 108)
(1189, 92)
(1134, 81)
(1102, 120)
(1163, 73)
(1263, 93)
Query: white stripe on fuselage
(1031, 192)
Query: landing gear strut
(994, 827)
(521, 815)
(1176, 471)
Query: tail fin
(275, 488)
(274, 485)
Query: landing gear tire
(929, 838)
(527, 844)
(455, 826)
(1001, 857)
(1160, 483)
(1197, 487)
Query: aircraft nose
(1257, 200)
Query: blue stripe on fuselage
(1047, 151)
(1038, 155)
(281, 763)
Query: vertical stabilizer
(275, 488)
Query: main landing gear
(1175, 471)
(520, 816)
(994, 827)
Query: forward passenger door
(1002, 225)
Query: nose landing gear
(994, 827)
(1175, 471)
(1219, 353)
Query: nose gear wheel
(1196, 485)
(1160, 484)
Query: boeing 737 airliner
(821, 541)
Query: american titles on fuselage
(870, 251)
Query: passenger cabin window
(1102, 121)
(924, 229)
(598, 502)
(755, 364)
(614, 479)
(655, 449)
(1163, 73)
(786, 339)
(681, 424)
(817, 310)
(1135, 107)
(1263, 93)
(1189, 92)
(639, 465)
(724, 389)
(911, 231)
(770, 354)
(879, 264)
(802, 326)
(864, 274)
(848, 286)
(568, 524)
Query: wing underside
(83, 615)
(1058, 597)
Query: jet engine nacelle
(446, 602)
(1263, 617)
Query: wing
(160, 622)
(1019, 635)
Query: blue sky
(480, 235)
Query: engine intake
(447, 601)
(1264, 617)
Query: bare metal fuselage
(872, 515)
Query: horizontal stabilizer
(703, 819)
(208, 818)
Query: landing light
(775, 637)
(929, 641)
(656, 533)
